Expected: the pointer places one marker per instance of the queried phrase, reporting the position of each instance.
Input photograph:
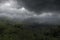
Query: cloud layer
(41, 5)
(42, 11)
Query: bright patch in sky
(22, 8)
(7, 4)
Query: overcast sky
(45, 10)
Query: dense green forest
(18, 31)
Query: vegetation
(19, 32)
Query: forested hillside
(18, 31)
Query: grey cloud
(3, 1)
(32, 7)
(41, 5)
(14, 12)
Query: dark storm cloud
(41, 5)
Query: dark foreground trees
(18, 32)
